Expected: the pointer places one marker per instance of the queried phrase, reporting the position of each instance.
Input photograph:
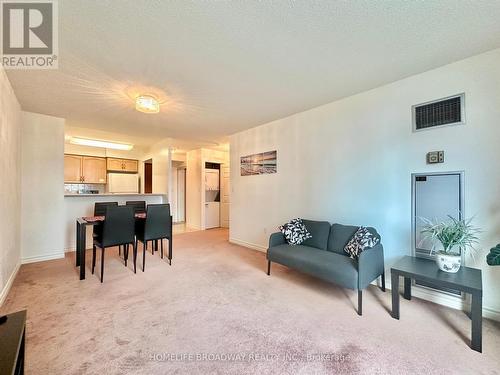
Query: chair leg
(125, 254)
(143, 257)
(135, 257)
(102, 265)
(93, 258)
(119, 250)
(161, 245)
(383, 281)
(152, 247)
(268, 267)
(360, 302)
(170, 250)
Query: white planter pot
(448, 262)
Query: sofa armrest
(370, 265)
(277, 239)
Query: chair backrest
(100, 207)
(118, 228)
(139, 206)
(158, 222)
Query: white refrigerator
(123, 183)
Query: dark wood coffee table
(467, 280)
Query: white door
(212, 215)
(224, 196)
(181, 194)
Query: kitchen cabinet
(94, 170)
(84, 169)
(72, 168)
(122, 165)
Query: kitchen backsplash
(84, 189)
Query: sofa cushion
(295, 232)
(320, 230)
(340, 235)
(325, 265)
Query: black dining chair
(117, 230)
(100, 210)
(139, 206)
(156, 226)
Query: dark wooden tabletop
(11, 333)
(466, 279)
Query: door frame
(148, 161)
(185, 191)
(461, 174)
(413, 200)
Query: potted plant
(455, 236)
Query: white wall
(351, 161)
(193, 189)
(159, 153)
(42, 213)
(10, 185)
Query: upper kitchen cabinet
(72, 168)
(94, 170)
(84, 169)
(122, 165)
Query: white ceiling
(227, 66)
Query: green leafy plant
(453, 233)
(493, 258)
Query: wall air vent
(442, 112)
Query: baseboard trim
(492, 314)
(8, 284)
(248, 245)
(42, 258)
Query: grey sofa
(323, 256)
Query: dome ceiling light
(147, 104)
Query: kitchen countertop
(112, 194)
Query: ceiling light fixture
(147, 104)
(103, 144)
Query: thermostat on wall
(434, 157)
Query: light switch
(434, 157)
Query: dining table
(81, 237)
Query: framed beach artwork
(263, 163)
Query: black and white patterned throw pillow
(361, 240)
(295, 232)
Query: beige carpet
(216, 311)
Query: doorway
(148, 176)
